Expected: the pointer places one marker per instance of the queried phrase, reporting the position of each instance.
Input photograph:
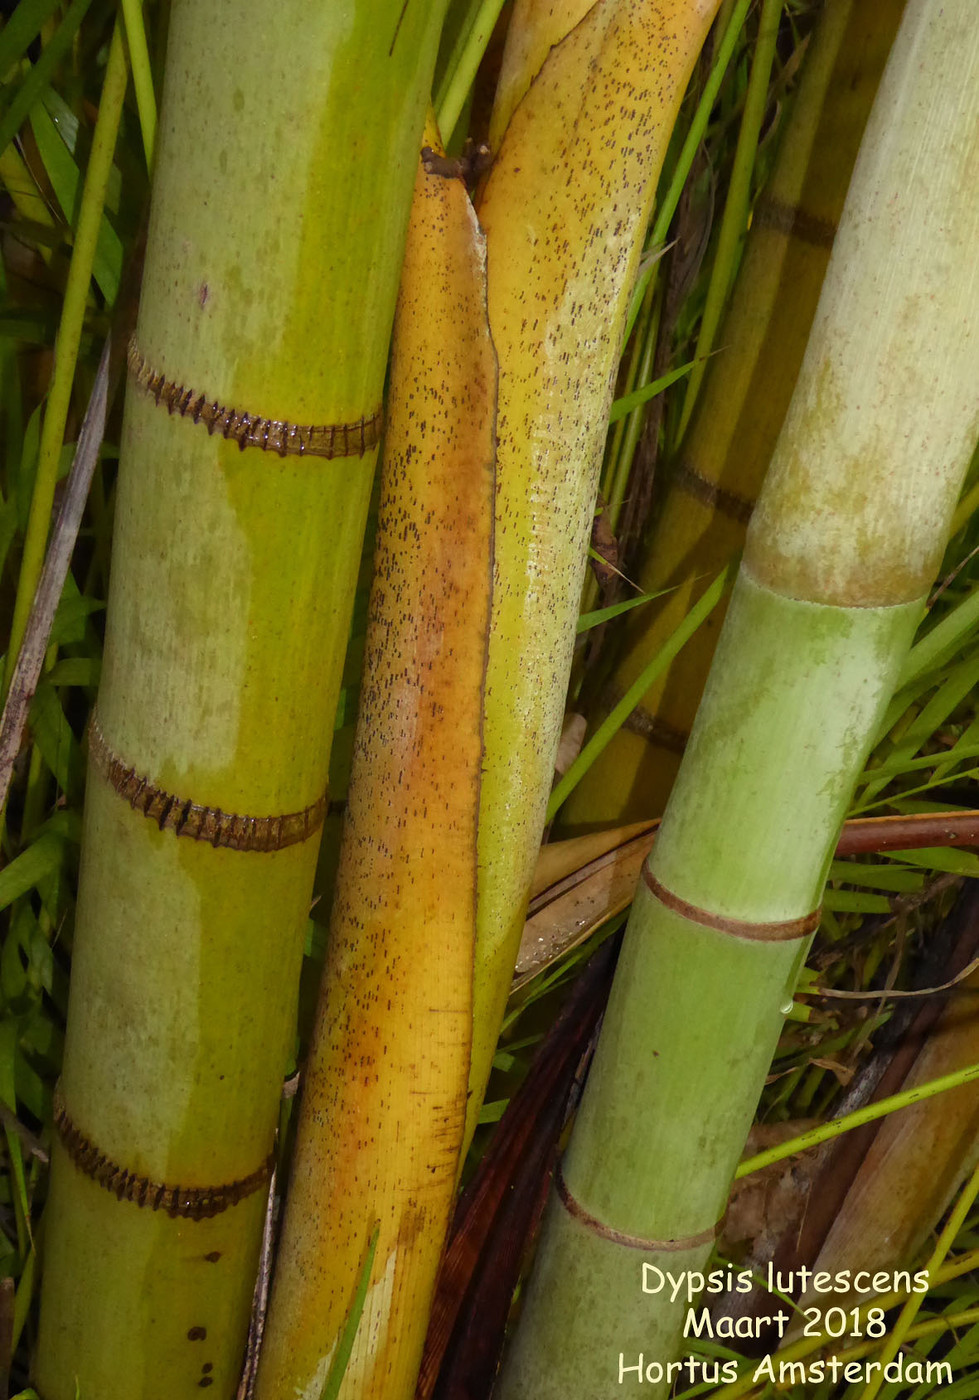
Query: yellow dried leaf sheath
(385, 1094)
(565, 210)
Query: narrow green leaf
(75, 670)
(839, 1126)
(877, 877)
(614, 721)
(40, 74)
(27, 469)
(8, 528)
(73, 612)
(648, 391)
(66, 181)
(68, 127)
(54, 738)
(42, 857)
(855, 902)
(943, 641)
(462, 66)
(493, 1112)
(21, 29)
(334, 1380)
(946, 858)
(691, 144)
(33, 1091)
(953, 690)
(594, 619)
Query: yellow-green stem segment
(274, 247)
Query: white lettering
(623, 1368)
(693, 1328)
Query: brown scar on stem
(793, 221)
(474, 162)
(607, 1232)
(649, 727)
(251, 429)
(708, 493)
(201, 823)
(186, 1202)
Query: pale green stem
(734, 224)
(827, 1131)
(69, 338)
(139, 58)
(459, 78)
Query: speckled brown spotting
(777, 931)
(187, 818)
(597, 1227)
(189, 1202)
(709, 494)
(250, 429)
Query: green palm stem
(139, 60)
(740, 409)
(249, 440)
(565, 209)
(845, 540)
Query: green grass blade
(21, 29)
(69, 338)
(734, 222)
(66, 181)
(37, 79)
(895, 878)
(614, 721)
(648, 391)
(595, 619)
(41, 858)
(943, 641)
(684, 164)
(331, 1387)
(461, 69)
(827, 1131)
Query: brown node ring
(709, 493)
(777, 931)
(251, 429)
(201, 823)
(607, 1232)
(188, 1202)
